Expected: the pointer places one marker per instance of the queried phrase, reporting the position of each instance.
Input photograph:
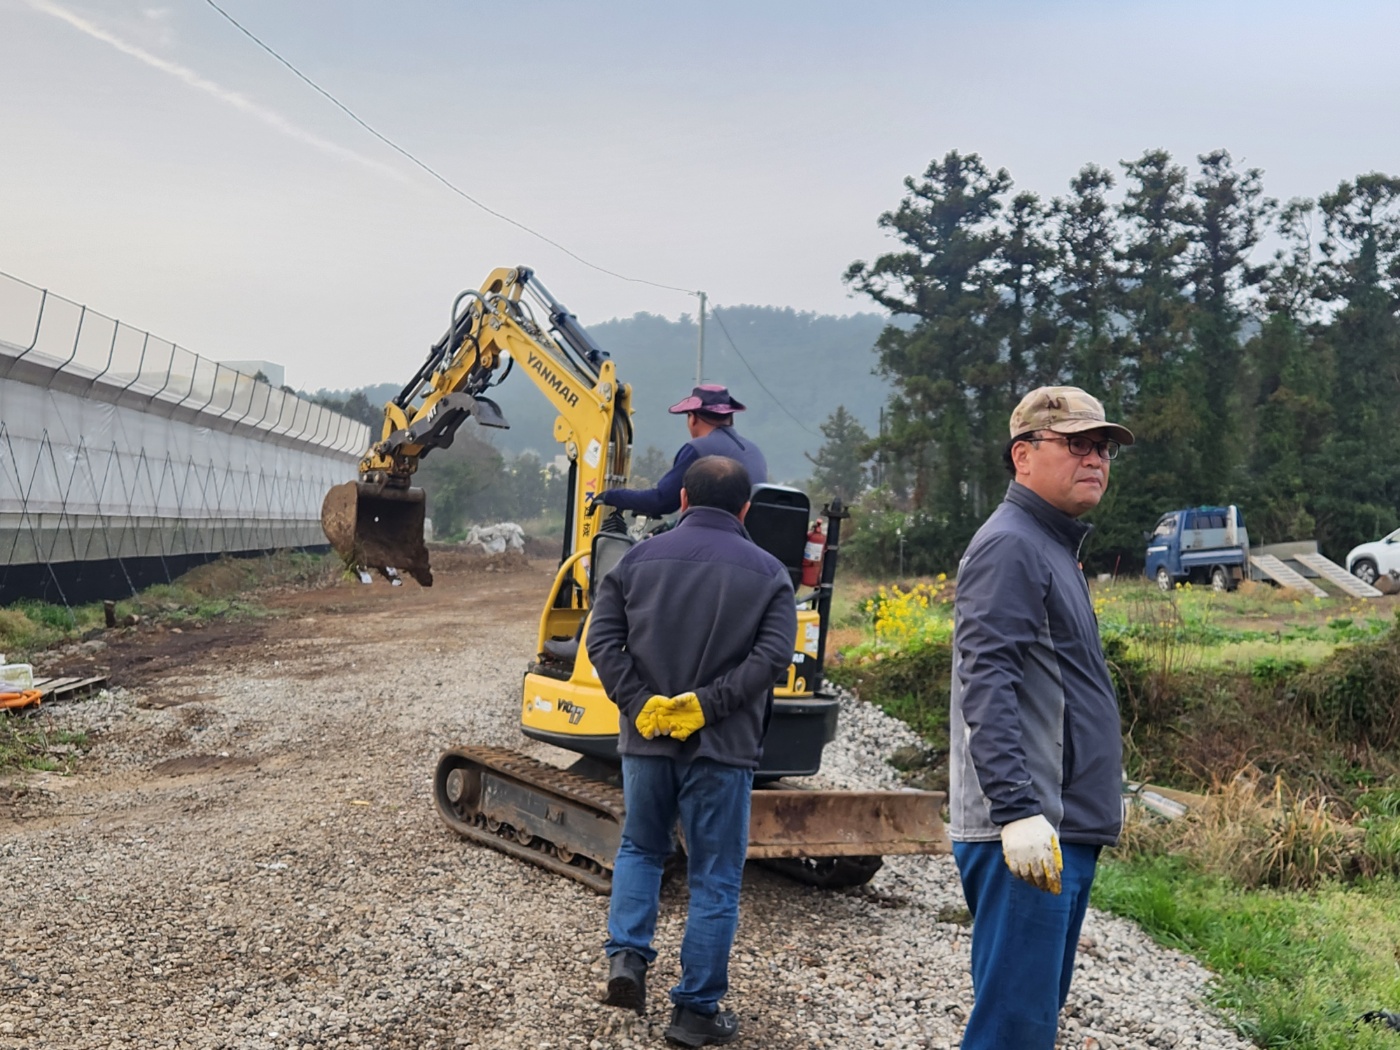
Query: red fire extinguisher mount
(812, 553)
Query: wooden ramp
(1281, 574)
(1338, 576)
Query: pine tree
(948, 412)
(841, 462)
(1360, 276)
(1089, 289)
(1168, 467)
(1289, 392)
(1227, 215)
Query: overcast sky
(160, 167)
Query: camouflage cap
(1064, 410)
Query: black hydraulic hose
(575, 336)
(457, 330)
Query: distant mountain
(791, 369)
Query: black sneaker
(627, 981)
(689, 1028)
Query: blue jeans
(712, 803)
(1023, 945)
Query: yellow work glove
(1032, 852)
(680, 716)
(648, 720)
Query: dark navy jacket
(700, 609)
(1035, 725)
(666, 497)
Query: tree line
(1270, 383)
(1251, 345)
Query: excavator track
(500, 798)
(827, 873)
(572, 824)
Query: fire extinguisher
(812, 556)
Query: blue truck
(1199, 545)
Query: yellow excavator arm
(377, 522)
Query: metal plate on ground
(800, 823)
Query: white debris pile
(496, 539)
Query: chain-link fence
(124, 459)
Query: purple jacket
(665, 498)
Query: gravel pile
(260, 865)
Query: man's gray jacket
(699, 609)
(1035, 725)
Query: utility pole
(700, 349)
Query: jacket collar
(1071, 531)
(712, 518)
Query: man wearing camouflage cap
(1035, 769)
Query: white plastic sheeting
(83, 480)
(174, 455)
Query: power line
(491, 211)
(714, 312)
(440, 178)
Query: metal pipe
(82, 316)
(835, 514)
(38, 320)
(141, 363)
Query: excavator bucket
(375, 527)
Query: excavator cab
(565, 704)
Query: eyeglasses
(1080, 445)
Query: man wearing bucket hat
(709, 415)
(1035, 770)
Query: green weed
(1291, 970)
(26, 743)
(912, 686)
(1352, 693)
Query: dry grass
(1258, 832)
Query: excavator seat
(778, 521)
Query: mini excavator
(570, 820)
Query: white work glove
(1032, 852)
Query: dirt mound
(452, 558)
(537, 548)
(227, 575)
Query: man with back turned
(689, 632)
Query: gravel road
(250, 858)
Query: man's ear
(1020, 453)
(744, 510)
(685, 501)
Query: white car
(1371, 560)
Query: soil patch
(175, 767)
(453, 558)
(152, 653)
